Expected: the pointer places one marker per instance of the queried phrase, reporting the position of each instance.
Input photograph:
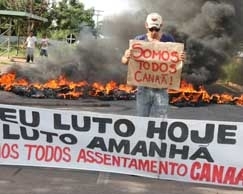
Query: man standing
(30, 47)
(151, 101)
(44, 45)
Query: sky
(109, 7)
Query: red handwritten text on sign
(155, 64)
(161, 55)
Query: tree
(70, 15)
(64, 17)
(37, 7)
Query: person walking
(30, 47)
(151, 102)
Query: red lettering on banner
(48, 153)
(202, 172)
(229, 177)
(205, 173)
(239, 178)
(81, 156)
(8, 151)
(172, 168)
(216, 174)
(152, 166)
(107, 159)
(94, 157)
(133, 164)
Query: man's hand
(127, 53)
(183, 56)
(126, 56)
(23, 46)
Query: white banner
(183, 150)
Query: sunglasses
(154, 29)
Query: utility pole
(97, 13)
(30, 10)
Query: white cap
(154, 20)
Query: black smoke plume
(207, 28)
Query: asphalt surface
(27, 180)
(37, 180)
(216, 112)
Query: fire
(188, 95)
(63, 88)
(126, 88)
(62, 81)
(8, 80)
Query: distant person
(30, 47)
(44, 43)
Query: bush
(234, 70)
(59, 34)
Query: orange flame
(187, 93)
(74, 90)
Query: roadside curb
(235, 86)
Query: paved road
(215, 112)
(27, 180)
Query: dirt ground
(9, 60)
(5, 62)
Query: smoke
(209, 42)
(207, 28)
(90, 60)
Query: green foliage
(59, 34)
(22, 25)
(71, 15)
(14, 50)
(234, 70)
(67, 16)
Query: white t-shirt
(44, 43)
(31, 40)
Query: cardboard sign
(155, 64)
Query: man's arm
(125, 58)
(25, 42)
